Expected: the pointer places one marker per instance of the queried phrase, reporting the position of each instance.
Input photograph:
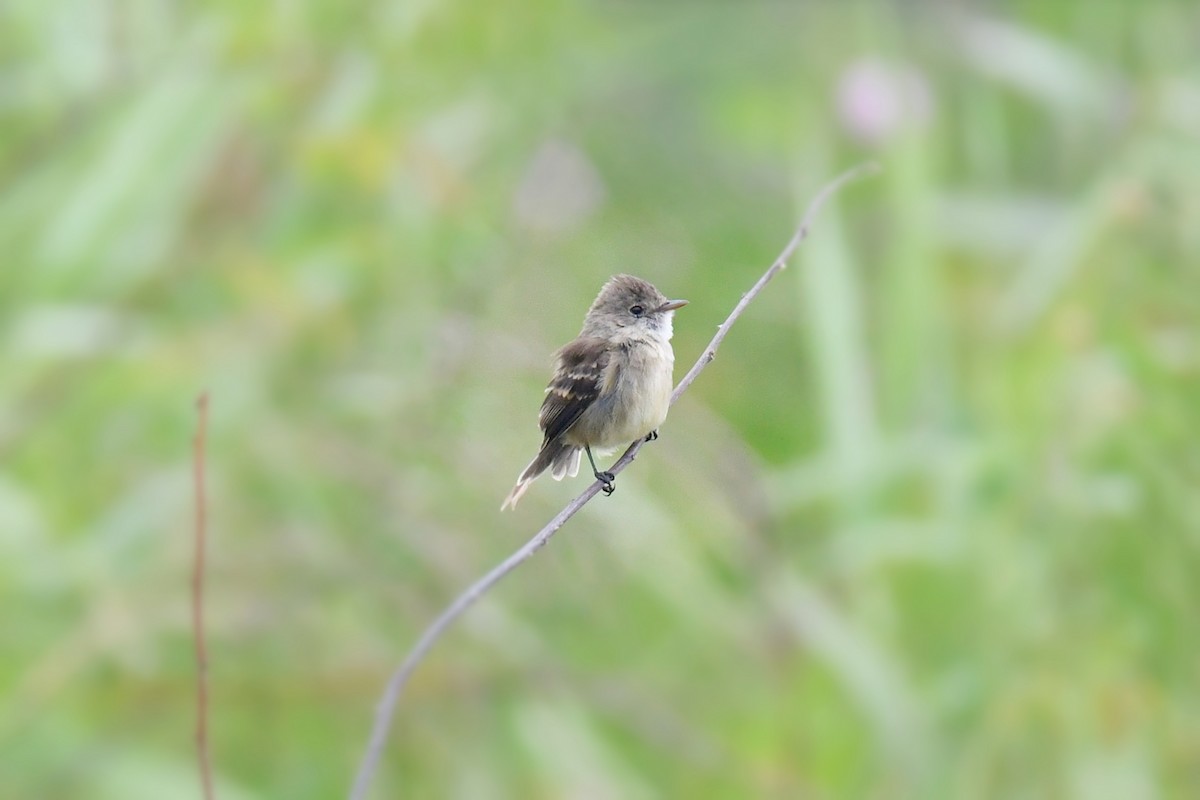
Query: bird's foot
(651, 436)
(608, 482)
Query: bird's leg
(606, 478)
(652, 435)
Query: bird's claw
(651, 436)
(607, 482)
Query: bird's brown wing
(578, 376)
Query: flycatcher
(611, 385)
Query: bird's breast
(637, 400)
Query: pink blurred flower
(878, 100)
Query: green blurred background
(927, 528)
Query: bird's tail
(561, 459)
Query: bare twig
(387, 703)
(202, 752)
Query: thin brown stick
(387, 703)
(202, 751)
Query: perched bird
(611, 385)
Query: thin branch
(387, 703)
(201, 519)
(710, 352)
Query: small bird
(611, 385)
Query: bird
(611, 384)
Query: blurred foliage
(928, 527)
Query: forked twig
(399, 678)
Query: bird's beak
(671, 305)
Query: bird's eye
(637, 311)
